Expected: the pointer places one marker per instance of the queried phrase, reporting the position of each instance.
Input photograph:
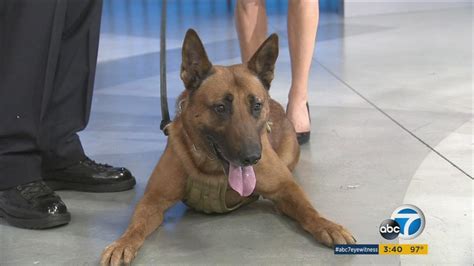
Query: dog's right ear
(195, 64)
(263, 61)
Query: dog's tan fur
(188, 152)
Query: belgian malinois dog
(228, 143)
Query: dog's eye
(257, 107)
(219, 108)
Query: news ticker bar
(381, 249)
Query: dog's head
(227, 107)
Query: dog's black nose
(251, 159)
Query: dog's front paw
(120, 252)
(329, 233)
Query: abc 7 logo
(407, 222)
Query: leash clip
(269, 126)
(164, 126)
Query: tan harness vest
(209, 195)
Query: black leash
(165, 115)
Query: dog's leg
(277, 184)
(164, 189)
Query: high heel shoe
(303, 137)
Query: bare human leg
(251, 24)
(303, 18)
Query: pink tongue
(242, 179)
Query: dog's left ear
(263, 61)
(195, 65)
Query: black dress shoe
(34, 206)
(89, 176)
(303, 137)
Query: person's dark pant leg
(69, 101)
(30, 34)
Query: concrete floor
(391, 105)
